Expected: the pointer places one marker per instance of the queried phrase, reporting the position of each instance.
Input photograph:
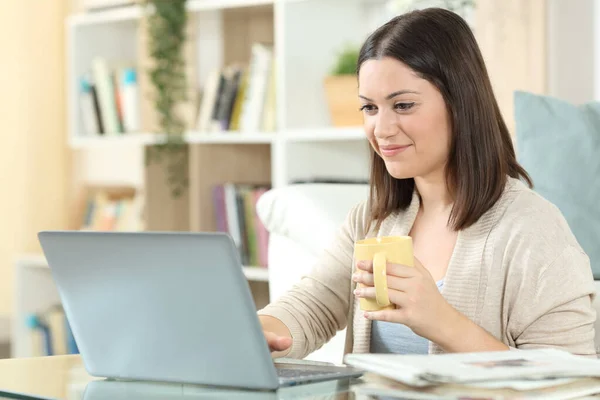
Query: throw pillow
(309, 214)
(558, 143)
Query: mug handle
(380, 279)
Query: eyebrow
(391, 95)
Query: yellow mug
(392, 249)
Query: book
(235, 214)
(88, 109)
(50, 333)
(111, 209)
(256, 92)
(111, 94)
(104, 78)
(269, 122)
(227, 99)
(240, 97)
(208, 99)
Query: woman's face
(405, 118)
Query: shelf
(127, 139)
(145, 139)
(230, 137)
(36, 261)
(202, 5)
(127, 13)
(325, 134)
(134, 12)
(257, 274)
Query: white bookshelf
(256, 274)
(134, 12)
(304, 146)
(302, 113)
(350, 134)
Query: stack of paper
(543, 373)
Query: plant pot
(342, 98)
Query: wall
(571, 50)
(512, 36)
(34, 160)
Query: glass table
(64, 378)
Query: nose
(385, 125)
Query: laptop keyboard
(291, 373)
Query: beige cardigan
(518, 272)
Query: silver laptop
(138, 390)
(170, 307)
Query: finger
(277, 343)
(399, 284)
(395, 284)
(402, 271)
(282, 343)
(384, 315)
(418, 263)
(396, 297)
(365, 265)
(365, 292)
(365, 278)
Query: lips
(392, 150)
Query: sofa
(302, 219)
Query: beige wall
(512, 36)
(571, 48)
(33, 153)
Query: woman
(496, 265)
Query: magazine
(519, 369)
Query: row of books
(105, 211)
(50, 333)
(235, 213)
(240, 98)
(109, 100)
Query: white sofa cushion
(309, 214)
(302, 220)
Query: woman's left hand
(419, 303)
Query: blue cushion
(558, 143)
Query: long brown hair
(440, 47)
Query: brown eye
(403, 106)
(368, 109)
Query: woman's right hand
(277, 343)
(277, 335)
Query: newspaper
(383, 388)
(519, 369)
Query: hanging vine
(166, 22)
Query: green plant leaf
(167, 21)
(346, 61)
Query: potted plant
(166, 24)
(341, 90)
